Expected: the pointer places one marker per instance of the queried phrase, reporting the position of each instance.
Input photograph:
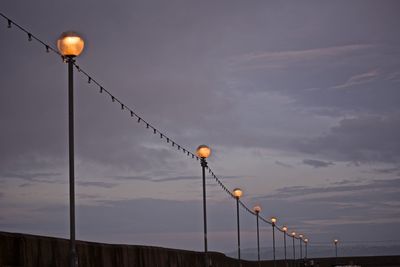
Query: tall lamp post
(336, 242)
(273, 222)
(284, 229)
(306, 245)
(204, 152)
(300, 242)
(294, 248)
(257, 210)
(70, 45)
(237, 193)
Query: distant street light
(257, 210)
(336, 241)
(70, 45)
(306, 245)
(204, 152)
(294, 248)
(237, 193)
(284, 229)
(301, 241)
(273, 221)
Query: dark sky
(299, 101)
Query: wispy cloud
(388, 170)
(283, 164)
(156, 180)
(97, 184)
(317, 163)
(282, 58)
(345, 187)
(359, 79)
(32, 177)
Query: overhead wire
(139, 119)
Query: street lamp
(336, 242)
(301, 241)
(294, 248)
(284, 229)
(70, 45)
(306, 244)
(204, 152)
(237, 193)
(273, 221)
(257, 210)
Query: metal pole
(204, 165)
(258, 242)
(284, 244)
(238, 229)
(273, 241)
(73, 256)
(294, 252)
(306, 248)
(336, 250)
(301, 251)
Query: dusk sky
(299, 101)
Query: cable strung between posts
(133, 114)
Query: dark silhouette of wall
(22, 250)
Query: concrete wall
(22, 250)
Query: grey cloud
(347, 187)
(360, 139)
(165, 179)
(283, 164)
(388, 170)
(29, 176)
(317, 163)
(45, 177)
(97, 184)
(346, 181)
(156, 180)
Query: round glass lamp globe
(293, 233)
(335, 241)
(70, 44)
(257, 209)
(301, 236)
(306, 240)
(273, 220)
(284, 228)
(237, 193)
(203, 151)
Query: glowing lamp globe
(306, 240)
(257, 209)
(285, 229)
(293, 234)
(237, 193)
(273, 220)
(335, 241)
(300, 235)
(203, 151)
(70, 44)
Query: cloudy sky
(299, 101)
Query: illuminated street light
(306, 244)
(238, 193)
(257, 210)
(204, 152)
(285, 229)
(300, 242)
(273, 222)
(294, 248)
(336, 241)
(70, 45)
